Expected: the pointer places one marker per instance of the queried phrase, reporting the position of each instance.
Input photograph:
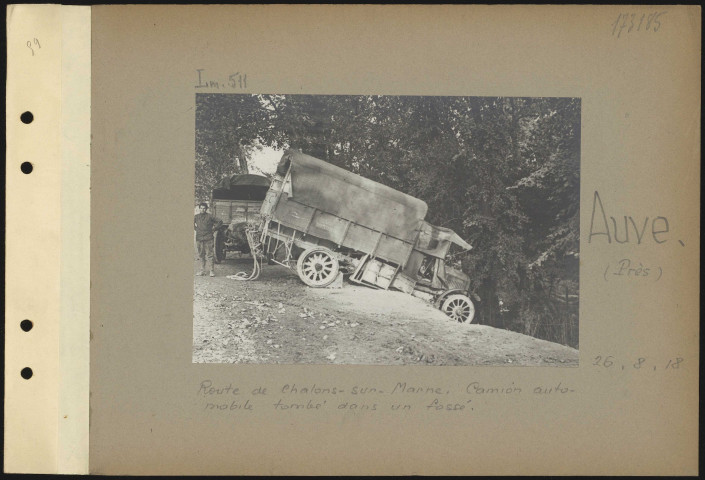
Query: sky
(265, 160)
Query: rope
(252, 234)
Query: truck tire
(459, 308)
(220, 253)
(317, 267)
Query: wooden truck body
(237, 201)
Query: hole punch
(27, 118)
(26, 325)
(26, 373)
(26, 168)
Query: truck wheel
(459, 307)
(219, 247)
(317, 267)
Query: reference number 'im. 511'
(235, 81)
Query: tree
(227, 130)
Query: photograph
(386, 230)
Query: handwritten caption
(235, 81)
(629, 230)
(629, 23)
(627, 268)
(399, 396)
(619, 232)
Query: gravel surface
(278, 319)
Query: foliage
(502, 172)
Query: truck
(236, 201)
(325, 222)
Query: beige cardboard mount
(112, 91)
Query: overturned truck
(325, 222)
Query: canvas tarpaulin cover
(331, 189)
(242, 187)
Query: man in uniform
(205, 225)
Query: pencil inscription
(634, 22)
(399, 396)
(641, 363)
(33, 43)
(627, 268)
(619, 231)
(235, 81)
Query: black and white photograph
(386, 230)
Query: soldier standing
(205, 225)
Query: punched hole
(26, 325)
(26, 168)
(27, 117)
(26, 373)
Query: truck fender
(443, 295)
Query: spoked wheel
(317, 267)
(459, 307)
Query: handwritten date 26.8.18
(635, 22)
(641, 363)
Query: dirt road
(278, 319)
